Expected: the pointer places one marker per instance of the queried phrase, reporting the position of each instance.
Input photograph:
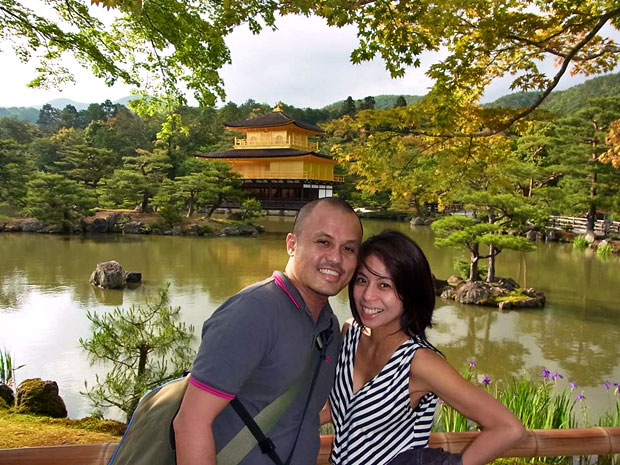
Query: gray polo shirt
(254, 346)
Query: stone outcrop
(32, 225)
(240, 230)
(417, 221)
(111, 275)
(108, 275)
(504, 293)
(6, 395)
(474, 292)
(41, 398)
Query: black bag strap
(266, 444)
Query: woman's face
(376, 299)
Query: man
(256, 344)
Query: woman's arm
(325, 415)
(501, 429)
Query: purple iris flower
(472, 362)
(573, 385)
(580, 397)
(486, 380)
(607, 385)
(556, 375)
(545, 373)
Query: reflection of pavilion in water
(279, 163)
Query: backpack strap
(245, 440)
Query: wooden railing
(538, 443)
(273, 174)
(272, 142)
(578, 225)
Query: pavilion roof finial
(279, 107)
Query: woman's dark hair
(411, 275)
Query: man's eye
(349, 249)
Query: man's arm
(193, 430)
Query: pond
(45, 296)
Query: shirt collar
(289, 288)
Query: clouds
(306, 63)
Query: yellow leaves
(612, 155)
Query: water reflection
(44, 296)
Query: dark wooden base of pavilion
(276, 194)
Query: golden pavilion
(279, 163)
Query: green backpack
(149, 437)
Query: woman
(389, 377)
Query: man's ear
(291, 244)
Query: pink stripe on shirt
(211, 390)
(282, 286)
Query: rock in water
(108, 275)
(41, 398)
(475, 292)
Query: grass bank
(18, 430)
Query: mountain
(564, 102)
(60, 103)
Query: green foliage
(57, 200)
(580, 243)
(8, 368)
(251, 209)
(169, 202)
(462, 269)
(604, 250)
(15, 171)
(460, 231)
(138, 180)
(146, 345)
(86, 164)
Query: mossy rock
(40, 398)
(6, 395)
(3, 404)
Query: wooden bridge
(538, 443)
(578, 225)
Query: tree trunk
(531, 188)
(591, 215)
(491, 270)
(190, 208)
(144, 354)
(144, 206)
(473, 263)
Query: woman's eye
(360, 280)
(385, 286)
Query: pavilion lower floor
(286, 194)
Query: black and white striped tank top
(376, 423)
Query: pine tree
(146, 346)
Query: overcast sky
(304, 63)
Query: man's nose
(335, 255)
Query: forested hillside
(28, 114)
(563, 102)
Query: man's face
(323, 256)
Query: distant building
(279, 165)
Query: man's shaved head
(334, 202)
